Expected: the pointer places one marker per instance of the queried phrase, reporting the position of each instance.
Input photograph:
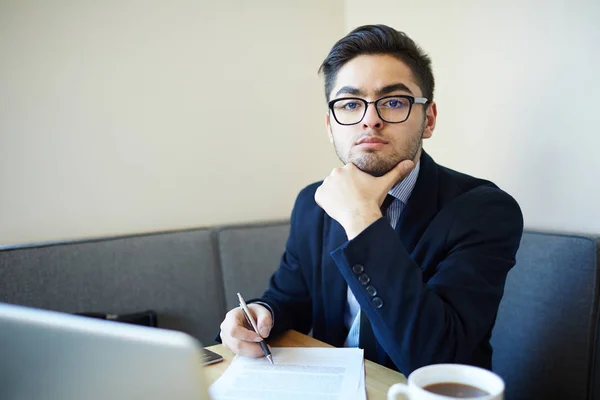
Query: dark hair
(379, 39)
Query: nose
(372, 119)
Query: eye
(348, 105)
(394, 103)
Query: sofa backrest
(176, 274)
(545, 339)
(546, 332)
(249, 255)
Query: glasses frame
(411, 100)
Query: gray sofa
(545, 340)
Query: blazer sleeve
(447, 317)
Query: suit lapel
(422, 204)
(419, 211)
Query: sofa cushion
(249, 255)
(544, 338)
(175, 274)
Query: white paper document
(298, 373)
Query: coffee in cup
(449, 381)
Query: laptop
(57, 356)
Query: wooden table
(378, 378)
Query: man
(391, 252)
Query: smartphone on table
(209, 357)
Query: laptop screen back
(50, 355)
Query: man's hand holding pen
(238, 335)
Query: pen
(248, 315)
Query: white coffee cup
(447, 373)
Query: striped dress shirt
(401, 193)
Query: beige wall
(120, 117)
(517, 91)
(131, 116)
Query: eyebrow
(350, 90)
(380, 92)
(393, 88)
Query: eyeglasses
(391, 109)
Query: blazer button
(364, 279)
(377, 302)
(358, 269)
(371, 290)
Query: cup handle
(398, 389)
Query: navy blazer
(438, 278)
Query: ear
(328, 125)
(431, 118)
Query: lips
(372, 140)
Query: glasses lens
(393, 109)
(348, 111)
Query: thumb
(264, 320)
(401, 169)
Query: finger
(337, 171)
(236, 327)
(243, 348)
(402, 169)
(242, 333)
(264, 319)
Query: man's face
(374, 145)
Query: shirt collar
(403, 189)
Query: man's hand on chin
(353, 198)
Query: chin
(375, 172)
(375, 169)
